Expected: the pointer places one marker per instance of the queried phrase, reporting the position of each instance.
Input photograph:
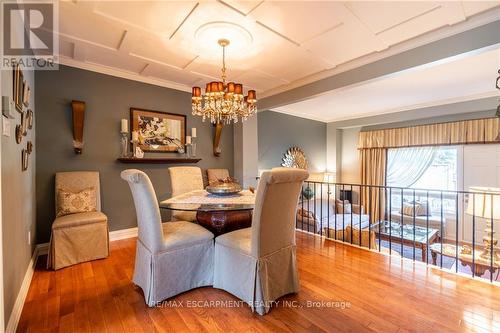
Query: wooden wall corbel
(78, 122)
(217, 135)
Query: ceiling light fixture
(223, 102)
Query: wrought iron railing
(440, 225)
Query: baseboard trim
(23, 292)
(123, 234)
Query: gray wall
(278, 132)
(108, 99)
(18, 200)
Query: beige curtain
(373, 167)
(460, 132)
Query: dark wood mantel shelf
(158, 160)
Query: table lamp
(484, 202)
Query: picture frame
(158, 131)
(18, 87)
(29, 118)
(26, 94)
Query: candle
(135, 136)
(124, 126)
(193, 132)
(188, 140)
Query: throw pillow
(420, 209)
(80, 202)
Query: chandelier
(223, 102)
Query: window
(438, 172)
(442, 173)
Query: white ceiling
(462, 78)
(153, 41)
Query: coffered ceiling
(154, 41)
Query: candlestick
(188, 139)
(193, 132)
(135, 136)
(124, 145)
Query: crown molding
(93, 67)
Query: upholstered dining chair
(258, 264)
(171, 257)
(185, 179)
(82, 236)
(216, 174)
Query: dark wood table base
(221, 222)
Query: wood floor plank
(373, 293)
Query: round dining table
(219, 214)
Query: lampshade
(481, 200)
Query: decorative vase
(308, 193)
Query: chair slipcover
(78, 237)
(258, 264)
(216, 174)
(172, 257)
(183, 180)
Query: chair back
(185, 179)
(146, 208)
(216, 174)
(77, 181)
(273, 222)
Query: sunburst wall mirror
(295, 158)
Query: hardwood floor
(373, 293)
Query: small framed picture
(159, 131)
(26, 93)
(18, 87)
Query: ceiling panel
(475, 7)
(347, 42)
(243, 6)
(260, 81)
(431, 20)
(170, 74)
(161, 50)
(290, 62)
(87, 26)
(298, 20)
(390, 13)
(108, 58)
(212, 70)
(157, 17)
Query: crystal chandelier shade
(223, 102)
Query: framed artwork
(158, 131)
(18, 87)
